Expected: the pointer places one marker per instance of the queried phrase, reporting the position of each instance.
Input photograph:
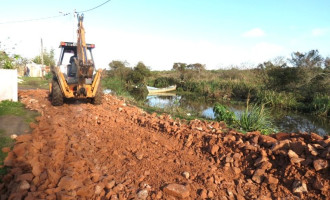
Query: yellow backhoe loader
(75, 75)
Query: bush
(139, 93)
(115, 84)
(222, 113)
(164, 82)
(283, 100)
(255, 118)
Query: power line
(30, 20)
(44, 18)
(94, 7)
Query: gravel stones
(24, 185)
(177, 190)
(68, 183)
(320, 164)
(142, 194)
(299, 187)
(81, 151)
(214, 149)
(186, 175)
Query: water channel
(284, 121)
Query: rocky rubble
(117, 151)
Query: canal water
(284, 121)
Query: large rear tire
(57, 96)
(97, 100)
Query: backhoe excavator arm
(81, 43)
(85, 67)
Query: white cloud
(319, 32)
(256, 32)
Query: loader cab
(66, 60)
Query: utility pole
(42, 59)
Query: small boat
(153, 90)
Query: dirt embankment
(117, 151)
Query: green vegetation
(11, 61)
(301, 83)
(48, 58)
(222, 113)
(17, 109)
(125, 81)
(254, 118)
(5, 141)
(303, 86)
(34, 82)
(321, 105)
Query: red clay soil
(117, 151)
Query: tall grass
(116, 85)
(321, 105)
(284, 100)
(255, 118)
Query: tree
(310, 59)
(327, 63)
(279, 61)
(181, 67)
(119, 69)
(187, 71)
(196, 67)
(116, 64)
(6, 62)
(49, 58)
(138, 74)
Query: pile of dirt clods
(117, 151)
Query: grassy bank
(17, 109)
(8, 108)
(5, 141)
(33, 83)
(291, 88)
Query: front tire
(57, 96)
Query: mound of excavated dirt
(117, 151)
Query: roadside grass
(33, 83)
(5, 141)
(17, 109)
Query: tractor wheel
(57, 96)
(97, 100)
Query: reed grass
(255, 118)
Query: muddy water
(284, 121)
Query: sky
(217, 33)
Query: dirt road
(117, 151)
